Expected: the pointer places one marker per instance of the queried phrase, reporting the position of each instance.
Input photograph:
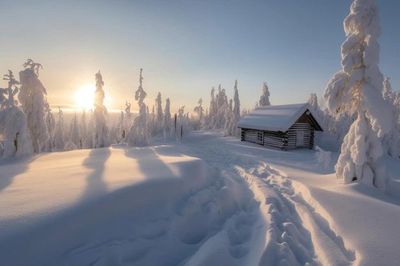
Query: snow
(206, 200)
(273, 118)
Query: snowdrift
(110, 207)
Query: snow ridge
(298, 231)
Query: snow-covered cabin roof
(275, 117)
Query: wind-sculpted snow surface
(120, 207)
(206, 200)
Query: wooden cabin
(285, 127)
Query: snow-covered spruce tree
(167, 118)
(90, 130)
(229, 119)
(199, 110)
(100, 112)
(121, 130)
(74, 135)
(51, 123)
(212, 114)
(391, 140)
(221, 108)
(236, 111)
(32, 97)
(264, 98)
(315, 108)
(357, 90)
(138, 134)
(59, 142)
(84, 132)
(127, 117)
(13, 122)
(159, 112)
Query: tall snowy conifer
(167, 117)
(100, 112)
(199, 110)
(391, 140)
(59, 141)
(159, 111)
(236, 110)
(357, 90)
(13, 122)
(32, 97)
(264, 98)
(138, 134)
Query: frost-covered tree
(32, 97)
(212, 114)
(13, 122)
(357, 91)
(83, 131)
(74, 135)
(199, 110)
(391, 139)
(51, 123)
(315, 108)
(229, 119)
(100, 112)
(138, 134)
(220, 109)
(128, 113)
(167, 117)
(159, 111)
(90, 135)
(121, 129)
(236, 110)
(264, 98)
(59, 141)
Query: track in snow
(297, 229)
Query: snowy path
(295, 232)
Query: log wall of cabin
(308, 134)
(266, 138)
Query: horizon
(186, 48)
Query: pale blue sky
(185, 47)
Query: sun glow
(84, 97)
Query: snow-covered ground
(207, 200)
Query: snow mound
(116, 207)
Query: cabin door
(300, 138)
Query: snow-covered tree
(229, 119)
(74, 135)
(264, 98)
(59, 141)
(51, 123)
(167, 117)
(199, 110)
(138, 134)
(236, 110)
(100, 112)
(315, 108)
(32, 97)
(391, 139)
(212, 109)
(357, 91)
(90, 135)
(159, 111)
(13, 122)
(83, 131)
(121, 129)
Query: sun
(84, 97)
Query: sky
(185, 47)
